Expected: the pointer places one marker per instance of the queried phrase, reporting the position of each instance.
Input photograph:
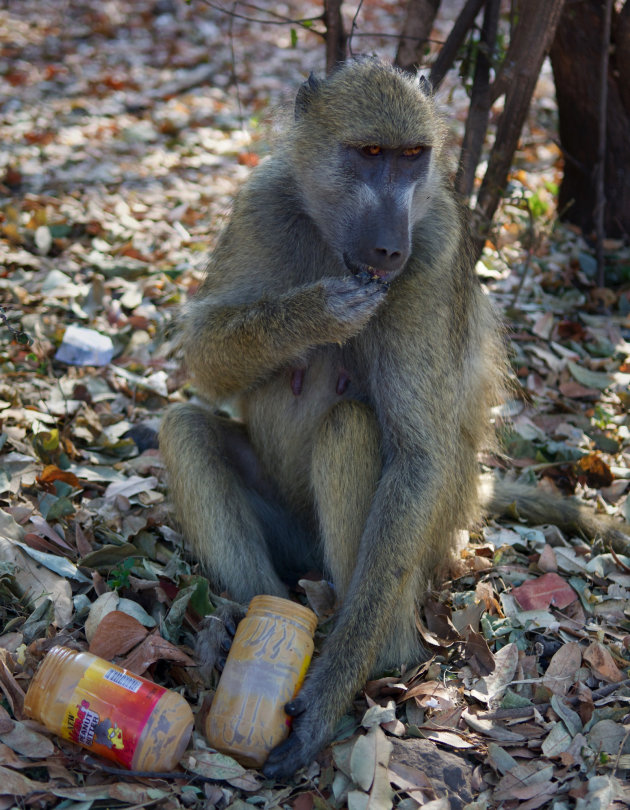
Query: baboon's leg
(346, 467)
(213, 481)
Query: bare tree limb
(336, 38)
(415, 32)
(600, 204)
(353, 28)
(447, 55)
(275, 17)
(479, 110)
(532, 39)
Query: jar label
(108, 711)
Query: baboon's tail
(505, 497)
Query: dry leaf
(492, 686)
(16, 784)
(38, 583)
(11, 688)
(540, 593)
(477, 652)
(24, 740)
(602, 663)
(564, 664)
(593, 471)
(320, 595)
(438, 619)
(547, 561)
(432, 694)
(116, 634)
(449, 738)
(52, 473)
(154, 648)
(369, 763)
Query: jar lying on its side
(264, 670)
(109, 710)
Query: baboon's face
(381, 186)
(365, 148)
(365, 201)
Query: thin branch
(479, 110)
(525, 711)
(306, 23)
(353, 27)
(233, 68)
(279, 19)
(16, 334)
(383, 35)
(447, 55)
(600, 205)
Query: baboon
(342, 321)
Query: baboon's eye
(413, 151)
(372, 150)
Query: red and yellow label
(108, 711)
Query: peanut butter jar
(264, 670)
(110, 711)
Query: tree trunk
(531, 40)
(448, 54)
(575, 58)
(480, 103)
(412, 45)
(336, 38)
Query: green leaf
(136, 611)
(588, 264)
(200, 600)
(557, 741)
(60, 508)
(172, 624)
(294, 38)
(512, 700)
(60, 565)
(588, 378)
(59, 231)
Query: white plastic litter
(85, 347)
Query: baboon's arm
(390, 553)
(232, 348)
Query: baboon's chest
(283, 415)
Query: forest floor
(126, 129)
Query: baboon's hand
(309, 733)
(352, 301)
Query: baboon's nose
(388, 258)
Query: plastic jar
(264, 670)
(109, 710)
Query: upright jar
(109, 710)
(264, 670)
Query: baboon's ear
(305, 93)
(425, 85)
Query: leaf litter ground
(125, 138)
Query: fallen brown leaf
(564, 664)
(116, 634)
(154, 648)
(602, 663)
(540, 593)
